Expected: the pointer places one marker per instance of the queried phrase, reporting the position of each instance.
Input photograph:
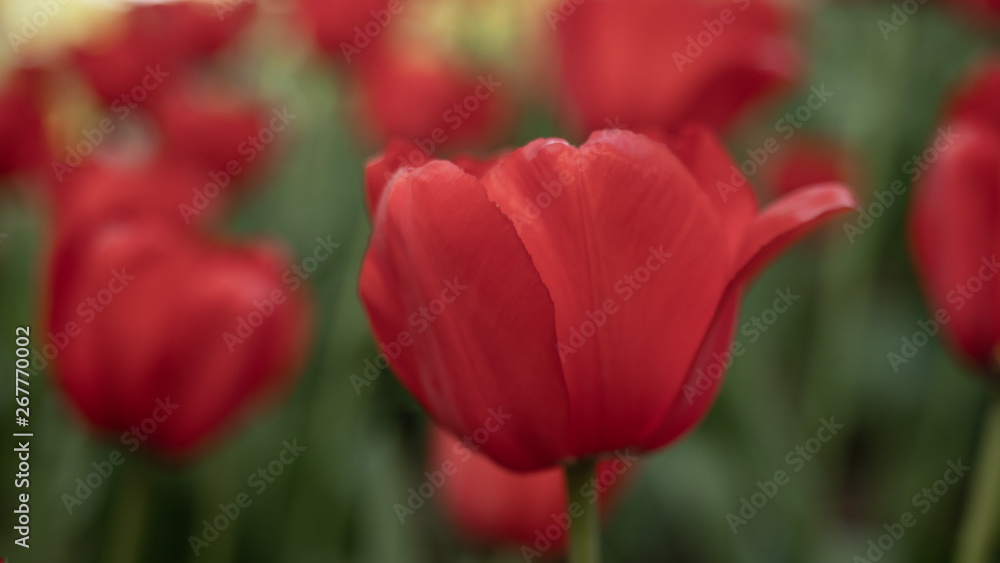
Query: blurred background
(233, 67)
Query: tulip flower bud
(955, 223)
(21, 113)
(127, 64)
(149, 322)
(497, 507)
(581, 289)
(643, 64)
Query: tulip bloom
(654, 64)
(955, 224)
(976, 100)
(581, 288)
(212, 128)
(23, 146)
(154, 41)
(979, 10)
(808, 162)
(342, 27)
(429, 98)
(149, 322)
(955, 240)
(496, 507)
(100, 190)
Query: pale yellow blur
(36, 35)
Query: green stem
(129, 514)
(585, 534)
(981, 522)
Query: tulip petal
(491, 504)
(720, 179)
(787, 220)
(759, 67)
(398, 154)
(977, 101)
(380, 168)
(635, 260)
(637, 61)
(155, 332)
(490, 349)
(956, 237)
(704, 380)
(495, 506)
(777, 227)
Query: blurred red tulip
(806, 162)
(955, 227)
(339, 25)
(427, 99)
(102, 190)
(976, 99)
(980, 10)
(210, 127)
(153, 43)
(23, 146)
(167, 337)
(650, 64)
(584, 290)
(497, 507)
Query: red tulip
(23, 145)
(153, 43)
(205, 29)
(428, 99)
(337, 25)
(497, 507)
(807, 162)
(976, 100)
(101, 190)
(980, 10)
(654, 64)
(955, 228)
(400, 154)
(582, 289)
(143, 315)
(212, 127)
